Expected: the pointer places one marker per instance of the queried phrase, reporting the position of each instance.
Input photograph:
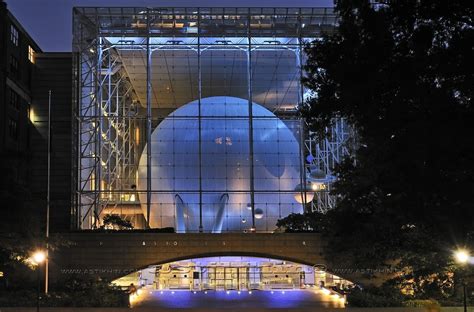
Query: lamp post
(48, 199)
(38, 258)
(462, 257)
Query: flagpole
(46, 279)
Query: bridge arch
(235, 271)
(112, 255)
(263, 255)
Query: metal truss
(106, 151)
(323, 155)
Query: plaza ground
(238, 300)
(313, 309)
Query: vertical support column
(98, 147)
(299, 57)
(249, 91)
(77, 126)
(148, 122)
(200, 120)
(108, 131)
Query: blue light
(262, 299)
(225, 131)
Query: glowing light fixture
(462, 256)
(39, 257)
(304, 193)
(315, 186)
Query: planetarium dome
(222, 173)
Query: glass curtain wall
(187, 117)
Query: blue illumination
(225, 177)
(218, 299)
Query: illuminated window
(137, 136)
(92, 182)
(31, 114)
(31, 54)
(14, 35)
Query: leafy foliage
(299, 223)
(401, 74)
(77, 291)
(374, 297)
(20, 230)
(116, 222)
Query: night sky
(49, 21)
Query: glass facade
(232, 273)
(187, 117)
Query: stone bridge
(111, 255)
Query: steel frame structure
(106, 105)
(325, 152)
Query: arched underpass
(289, 279)
(112, 255)
(238, 281)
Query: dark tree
(300, 223)
(20, 230)
(116, 222)
(401, 73)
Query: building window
(31, 54)
(14, 66)
(13, 128)
(14, 100)
(14, 35)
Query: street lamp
(38, 258)
(462, 257)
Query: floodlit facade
(187, 118)
(232, 273)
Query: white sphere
(225, 166)
(304, 194)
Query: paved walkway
(234, 300)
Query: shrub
(75, 292)
(428, 304)
(375, 297)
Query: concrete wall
(113, 255)
(53, 72)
